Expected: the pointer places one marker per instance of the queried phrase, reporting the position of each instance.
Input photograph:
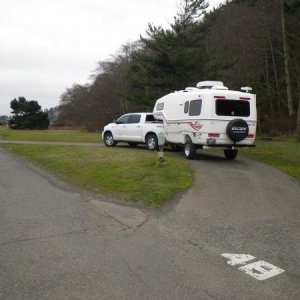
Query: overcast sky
(48, 45)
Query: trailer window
(195, 107)
(160, 106)
(233, 108)
(186, 107)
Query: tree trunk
(286, 62)
(268, 83)
(275, 74)
(298, 115)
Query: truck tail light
(244, 98)
(250, 136)
(219, 97)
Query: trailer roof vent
(246, 89)
(189, 89)
(217, 87)
(209, 84)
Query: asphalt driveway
(57, 242)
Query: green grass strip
(50, 135)
(281, 152)
(131, 173)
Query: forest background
(242, 43)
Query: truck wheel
(109, 140)
(230, 154)
(189, 149)
(151, 142)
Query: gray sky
(48, 45)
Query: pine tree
(27, 115)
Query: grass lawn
(281, 152)
(131, 173)
(50, 135)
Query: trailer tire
(230, 154)
(189, 149)
(237, 130)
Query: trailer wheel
(109, 139)
(230, 154)
(189, 149)
(151, 142)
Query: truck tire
(237, 130)
(230, 154)
(109, 139)
(189, 149)
(151, 142)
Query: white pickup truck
(134, 128)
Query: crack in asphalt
(44, 237)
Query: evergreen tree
(242, 42)
(27, 115)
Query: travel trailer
(208, 116)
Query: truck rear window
(232, 108)
(150, 118)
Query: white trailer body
(208, 116)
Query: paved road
(58, 243)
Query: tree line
(243, 42)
